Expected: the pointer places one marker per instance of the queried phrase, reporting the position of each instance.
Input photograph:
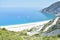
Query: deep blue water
(10, 16)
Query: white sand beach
(27, 26)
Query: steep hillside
(54, 27)
(54, 8)
(53, 30)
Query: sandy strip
(20, 27)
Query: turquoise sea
(10, 16)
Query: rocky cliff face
(54, 8)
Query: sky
(26, 3)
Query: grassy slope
(10, 35)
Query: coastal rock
(53, 30)
(54, 8)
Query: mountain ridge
(54, 8)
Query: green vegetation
(11, 35)
(54, 27)
(47, 24)
(32, 29)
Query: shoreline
(21, 27)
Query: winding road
(51, 24)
